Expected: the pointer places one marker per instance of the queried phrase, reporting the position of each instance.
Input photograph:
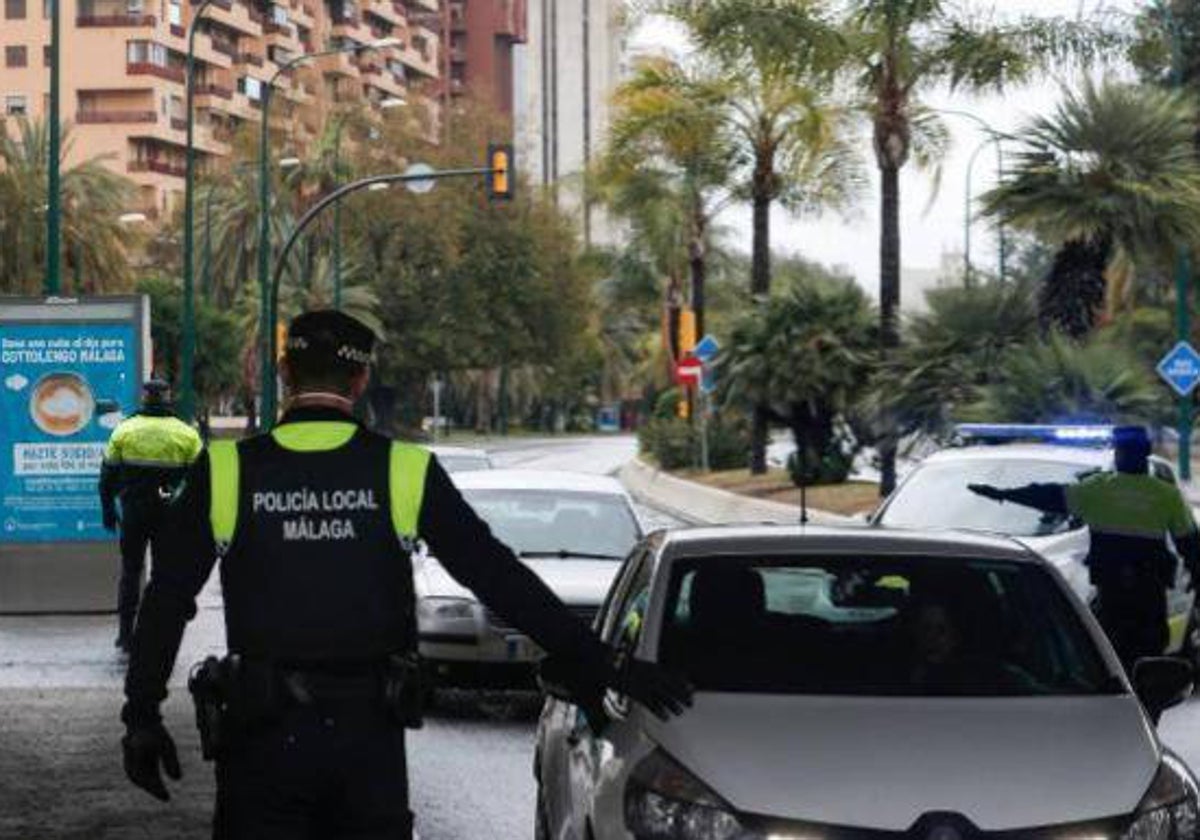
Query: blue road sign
(1181, 368)
(706, 349)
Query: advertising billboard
(70, 370)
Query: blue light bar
(1035, 432)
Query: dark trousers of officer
(138, 521)
(319, 772)
(1134, 617)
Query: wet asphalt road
(60, 773)
(470, 767)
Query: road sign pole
(1183, 318)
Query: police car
(935, 495)
(571, 529)
(856, 682)
(456, 459)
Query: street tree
(806, 356)
(94, 198)
(1112, 179)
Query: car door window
(615, 597)
(629, 611)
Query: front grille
(584, 612)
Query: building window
(251, 87)
(146, 52)
(14, 9)
(175, 13)
(16, 105)
(16, 57)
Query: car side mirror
(1162, 683)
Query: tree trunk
(889, 309)
(698, 270)
(760, 284)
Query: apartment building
(479, 39)
(123, 62)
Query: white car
(863, 683)
(934, 495)
(456, 459)
(572, 529)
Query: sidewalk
(696, 504)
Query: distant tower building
(566, 73)
(482, 35)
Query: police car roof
(853, 539)
(1089, 456)
(551, 480)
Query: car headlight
(663, 801)
(445, 609)
(1169, 810)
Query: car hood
(1067, 553)
(881, 763)
(573, 581)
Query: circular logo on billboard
(61, 404)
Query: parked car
(863, 683)
(572, 529)
(456, 459)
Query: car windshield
(464, 463)
(860, 626)
(936, 496)
(547, 523)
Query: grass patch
(849, 498)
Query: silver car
(456, 459)
(863, 683)
(572, 529)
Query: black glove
(146, 746)
(987, 491)
(663, 693)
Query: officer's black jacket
(185, 555)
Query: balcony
(160, 167)
(226, 48)
(512, 20)
(210, 89)
(272, 27)
(121, 21)
(253, 59)
(145, 68)
(94, 117)
(178, 124)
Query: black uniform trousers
(334, 771)
(1134, 617)
(140, 516)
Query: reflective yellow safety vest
(158, 442)
(1123, 504)
(315, 524)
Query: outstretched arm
(1050, 498)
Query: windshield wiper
(565, 553)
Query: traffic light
(500, 172)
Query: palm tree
(93, 199)
(792, 139)
(670, 121)
(1112, 178)
(894, 51)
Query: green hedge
(675, 443)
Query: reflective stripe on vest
(407, 468)
(223, 469)
(406, 485)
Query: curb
(696, 504)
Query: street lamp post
(1183, 268)
(266, 331)
(995, 137)
(187, 402)
(53, 181)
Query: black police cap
(333, 334)
(155, 389)
(1131, 437)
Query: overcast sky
(927, 232)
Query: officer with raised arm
(144, 461)
(314, 524)
(1129, 514)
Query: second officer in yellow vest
(144, 462)
(314, 524)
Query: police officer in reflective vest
(144, 462)
(1129, 514)
(313, 525)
